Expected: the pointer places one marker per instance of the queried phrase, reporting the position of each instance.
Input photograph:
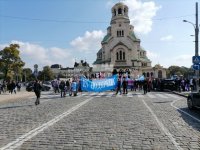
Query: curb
(180, 94)
(177, 93)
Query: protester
(118, 89)
(62, 88)
(124, 85)
(68, 83)
(4, 87)
(13, 87)
(74, 88)
(18, 86)
(145, 86)
(56, 86)
(37, 90)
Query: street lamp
(196, 29)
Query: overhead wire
(77, 21)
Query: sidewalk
(184, 94)
(19, 95)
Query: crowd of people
(185, 84)
(148, 84)
(124, 84)
(64, 87)
(10, 87)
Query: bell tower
(121, 48)
(119, 11)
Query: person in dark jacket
(37, 90)
(145, 86)
(62, 88)
(68, 86)
(125, 86)
(118, 89)
(13, 87)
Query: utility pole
(197, 33)
(196, 28)
(197, 45)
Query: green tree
(27, 75)
(46, 74)
(10, 61)
(176, 70)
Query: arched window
(123, 55)
(119, 11)
(114, 12)
(120, 55)
(120, 33)
(117, 55)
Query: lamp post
(196, 29)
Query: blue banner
(99, 85)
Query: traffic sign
(196, 59)
(196, 67)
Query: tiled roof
(105, 38)
(133, 36)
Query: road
(101, 121)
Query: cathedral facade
(121, 49)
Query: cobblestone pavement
(101, 121)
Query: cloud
(89, 42)
(180, 60)
(140, 14)
(152, 55)
(183, 60)
(59, 53)
(167, 38)
(184, 57)
(35, 54)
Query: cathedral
(121, 49)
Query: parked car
(30, 87)
(47, 85)
(167, 84)
(193, 100)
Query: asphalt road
(101, 121)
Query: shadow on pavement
(7, 107)
(56, 97)
(163, 102)
(194, 123)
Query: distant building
(81, 68)
(121, 49)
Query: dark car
(167, 84)
(30, 87)
(193, 100)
